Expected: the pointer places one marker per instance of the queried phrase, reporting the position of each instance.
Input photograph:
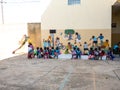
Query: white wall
(90, 14)
(10, 35)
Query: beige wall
(91, 17)
(90, 14)
(85, 35)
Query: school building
(87, 17)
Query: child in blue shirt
(38, 53)
(57, 52)
(52, 52)
(46, 53)
(78, 53)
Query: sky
(23, 11)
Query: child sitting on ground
(78, 53)
(35, 52)
(74, 56)
(110, 54)
(52, 52)
(102, 55)
(30, 51)
(91, 54)
(46, 53)
(57, 52)
(38, 53)
(41, 52)
(96, 54)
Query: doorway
(34, 32)
(116, 23)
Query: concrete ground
(20, 73)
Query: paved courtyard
(20, 73)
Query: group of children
(94, 52)
(47, 52)
(51, 53)
(100, 54)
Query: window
(73, 2)
(114, 25)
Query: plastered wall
(90, 14)
(85, 35)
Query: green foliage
(71, 31)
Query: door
(115, 23)
(34, 32)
